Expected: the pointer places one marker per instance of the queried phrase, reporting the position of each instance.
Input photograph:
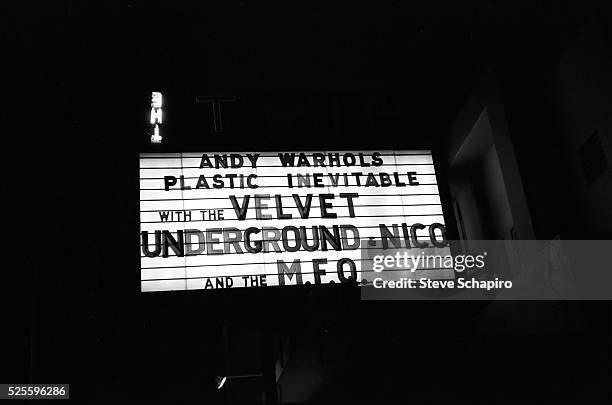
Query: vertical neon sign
(156, 116)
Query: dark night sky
(77, 87)
(86, 59)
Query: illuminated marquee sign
(230, 220)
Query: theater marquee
(229, 220)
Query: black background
(77, 82)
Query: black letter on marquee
(169, 181)
(387, 236)
(145, 244)
(432, 235)
(344, 235)
(285, 238)
(247, 241)
(176, 245)
(412, 180)
(334, 240)
(284, 270)
(341, 276)
(413, 234)
(279, 208)
(231, 237)
(315, 239)
(250, 181)
(317, 271)
(303, 209)
(240, 211)
(260, 206)
(326, 205)
(199, 244)
(349, 200)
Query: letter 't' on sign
(215, 102)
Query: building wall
(581, 94)
(481, 125)
(498, 205)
